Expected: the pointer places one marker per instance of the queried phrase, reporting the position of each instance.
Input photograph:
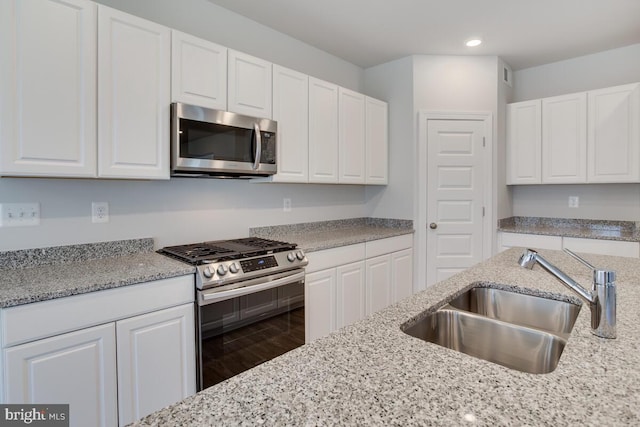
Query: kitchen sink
(556, 317)
(521, 332)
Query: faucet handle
(604, 277)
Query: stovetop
(223, 250)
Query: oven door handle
(211, 296)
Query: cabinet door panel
(249, 85)
(133, 96)
(524, 142)
(198, 71)
(350, 294)
(614, 134)
(351, 140)
(323, 131)
(402, 274)
(48, 86)
(291, 111)
(156, 361)
(377, 142)
(378, 283)
(78, 368)
(319, 304)
(564, 139)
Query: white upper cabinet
(351, 140)
(48, 88)
(323, 131)
(614, 134)
(198, 71)
(133, 96)
(249, 85)
(564, 139)
(377, 142)
(524, 142)
(291, 111)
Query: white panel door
(401, 274)
(48, 88)
(350, 293)
(524, 142)
(291, 111)
(351, 137)
(198, 71)
(78, 368)
(564, 139)
(455, 196)
(320, 304)
(378, 282)
(377, 142)
(323, 131)
(156, 361)
(133, 96)
(614, 134)
(249, 85)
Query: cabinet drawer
(47, 318)
(533, 241)
(330, 258)
(386, 246)
(602, 247)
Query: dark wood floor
(234, 352)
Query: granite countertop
(316, 236)
(33, 275)
(627, 231)
(371, 373)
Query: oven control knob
(208, 272)
(222, 270)
(300, 255)
(291, 256)
(233, 268)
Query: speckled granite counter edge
(316, 236)
(27, 258)
(627, 231)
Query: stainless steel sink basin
(557, 317)
(513, 346)
(522, 332)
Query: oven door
(243, 327)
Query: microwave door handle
(256, 162)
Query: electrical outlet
(19, 214)
(99, 212)
(574, 201)
(286, 205)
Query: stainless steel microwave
(214, 143)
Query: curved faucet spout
(602, 300)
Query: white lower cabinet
(114, 356)
(345, 284)
(590, 246)
(77, 368)
(156, 361)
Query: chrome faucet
(601, 298)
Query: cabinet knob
(433, 226)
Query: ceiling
(524, 33)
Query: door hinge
(484, 142)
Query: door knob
(433, 226)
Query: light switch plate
(19, 214)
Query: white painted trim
(420, 210)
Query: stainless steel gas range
(249, 300)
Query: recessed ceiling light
(473, 42)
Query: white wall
(604, 201)
(188, 210)
(393, 82)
